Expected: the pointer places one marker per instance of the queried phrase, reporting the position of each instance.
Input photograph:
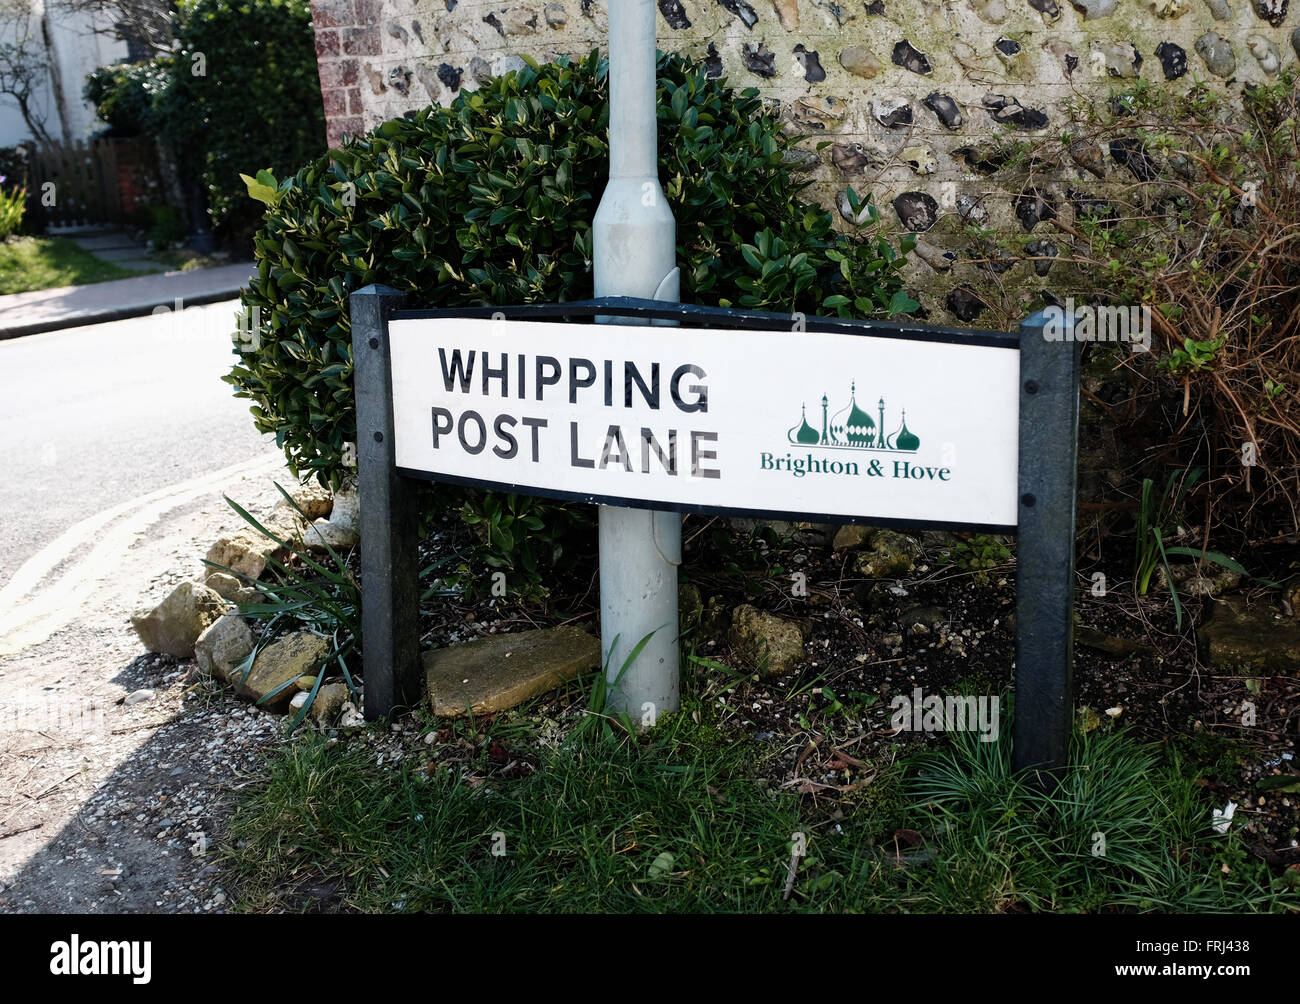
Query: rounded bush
(127, 95)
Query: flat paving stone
(502, 671)
(1253, 638)
(95, 303)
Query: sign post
(635, 254)
(390, 599)
(1049, 447)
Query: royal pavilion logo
(851, 428)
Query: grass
(674, 822)
(31, 263)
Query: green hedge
(490, 202)
(257, 106)
(127, 96)
(240, 93)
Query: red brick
(332, 13)
(368, 12)
(354, 101)
(327, 42)
(361, 42)
(339, 73)
(336, 102)
(353, 125)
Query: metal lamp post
(635, 254)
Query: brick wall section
(338, 29)
(899, 87)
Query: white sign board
(798, 425)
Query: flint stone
(965, 304)
(1088, 156)
(920, 159)
(971, 210)
(1265, 53)
(1129, 152)
(223, 646)
(892, 113)
(853, 158)
(759, 59)
(909, 57)
(860, 61)
(945, 108)
(1217, 54)
(1091, 9)
(889, 555)
(819, 113)
(174, 625)
(742, 10)
(281, 663)
(675, 14)
(939, 260)
(810, 60)
(1173, 59)
(1043, 252)
(771, 644)
(1033, 207)
(1009, 111)
(1272, 11)
(917, 211)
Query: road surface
(119, 441)
(96, 416)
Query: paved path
(72, 306)
(116, 246)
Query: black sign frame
(1045, 528)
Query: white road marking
(50, 607)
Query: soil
(865, 647)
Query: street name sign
(794, 425)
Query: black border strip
(682, 507)
(694, 315)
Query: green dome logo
(806, 434)
(851, 428)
